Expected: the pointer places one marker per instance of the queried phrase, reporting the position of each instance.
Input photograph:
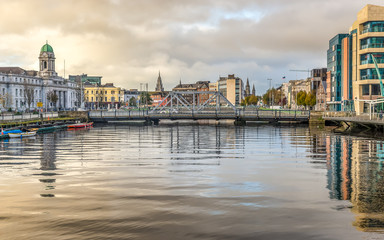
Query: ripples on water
(191, 182)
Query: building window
(375, 89)
(365, 89)
(16, 93)
(97, 92)
(92, 92)
(105, 93)
(112, 99)
(91, 99)
(105, 98)
(112, 92)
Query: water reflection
(208, 182)
(356, 173)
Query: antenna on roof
(64, 68)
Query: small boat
(22, 134)
(81, 125)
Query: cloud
(128, 42)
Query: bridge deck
(256, 115)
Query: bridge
(194, 105)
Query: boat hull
(23, 134)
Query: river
(192, 182)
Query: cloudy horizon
(129, 42)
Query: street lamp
(270, 90)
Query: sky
(129, 41)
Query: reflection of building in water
(48, 163)
(356, 173)
(368, 185)
(339, 167)
(48, 152)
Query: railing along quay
(374, 118)
(5, 117)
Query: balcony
(379, 61)
(372, 45)
(369, 77)
(374, 29)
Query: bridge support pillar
(156, 122)
(240, 122)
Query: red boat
(81, 125)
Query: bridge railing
(211, 113)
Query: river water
(192, 182)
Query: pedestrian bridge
(238, 115)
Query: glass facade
(334, 64)
(372, 42)
(367, 58)
(373, 27)
(370, 73)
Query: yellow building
(231, 87)
(102, 96)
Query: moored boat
(81, 125)
(22, 134)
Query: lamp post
(270, 83)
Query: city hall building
(29, 89)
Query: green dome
(46, 48)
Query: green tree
(310, 99)
(132, 102)
(301, 96)
(145, 99)
(250, 100)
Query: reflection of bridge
(199, 105)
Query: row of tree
(275, 97)
(306, 99)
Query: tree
(301, 96)
(52, 97)
(145, 98)
(310, 99)
(29, 94)
(250, 100)
(132, 102)
(272, 97)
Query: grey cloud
(129, 41)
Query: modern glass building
(353, 77)
(334, 65)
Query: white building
(21, 89)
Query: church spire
(253, 90)
(247, 89)
(159, 84)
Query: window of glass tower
(372, 42)
(375, 89)
(370, 73)
(367, 58)
(373, 27)
(365, 89)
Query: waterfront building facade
(28, 89)
(131, 94)
(232, 88)
(352, 79)
(334, 64)
(200, 86)
(102, 96)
